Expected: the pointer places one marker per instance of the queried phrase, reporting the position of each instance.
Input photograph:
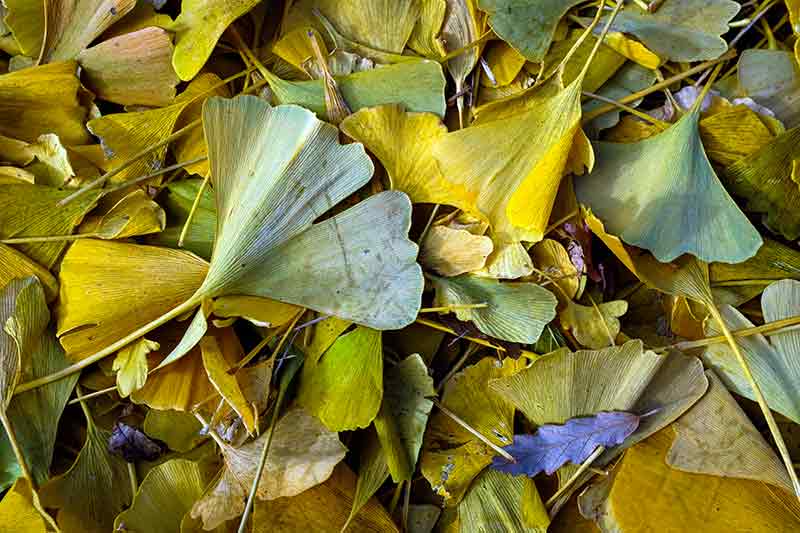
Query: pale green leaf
(500, 503)
(772, 78)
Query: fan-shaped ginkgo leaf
(403, 143)
(14, 264)
(72, 26)
(662, 194)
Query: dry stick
(642, 115)
(446, 308)
(588, 117)
(440, 327)
(165, 170)
(195, 205)
(481, 437)
(100, 392)
(770, 328)
(468, 352)
(762, 402)
(585, 465)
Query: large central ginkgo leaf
(662, 194)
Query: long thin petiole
(195, 204)
(479, 435)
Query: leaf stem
(155, 174)
(776, 326)
(762, 402)
(584, 466)
(195, 205)
(92, 395)
(453, 307)
(12, 439)
(188, 305)
(132, 477)
(480, 436)
(476, 340)
(633, 111)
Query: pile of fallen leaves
(399, 265)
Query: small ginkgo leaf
(131, 365)
(404, 415)
(504, 63)
(403, 143)
(715, 437)
(217, 370)
(132, 69)
(516, 312)
(198, 27)
(418, 85)
(166, 494)
(528, 25)
(662, 194)
(500, 502)
(552, 259)
(20, 314)
(94, 490)
(72, 26)
(733, 134)
(302, 454)
(554, 445)
(380, 24)
(47, 97)
(452, 457)
(681, 30)
(451, 252)
(262, 312)
(772, 78)
(765, 179)
(773, 362)
(51, 166)
(135, 214)
(594, 326)
(109, 289)
(345, 387)
(564, 385)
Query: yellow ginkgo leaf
(262, 312)
(43, 99)
(72, 26)
(26, 21)
(594, 326)
(109, 289)
(451, 252)
(552, 259)
(132, 69)
(197, 29)
(227, 386)
(14, 264)
(425, 39)
(135, 214)
(131, 365)
(504, 63)
(403, 142)
(501, 502)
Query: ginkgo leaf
(131, 365)
(135, 214)
(180, 431)
(500, 502)
(715, 437)
(425, 38)
(323, 509)
(344, 387)
(51, 165)
(516, 312)
(772, 78)
(262, 312)
(594, 326)
(528, 25)
(176, 199)
(452, 457)
(164, 497)
(109, 289)
(373, 471)
(630, 78)
(681, 30)
(217, 369)
(551, 258)
(774, 362)
(765, 179)
(302, 454)
(733, 134)
(21, 314)
(43, 99)
(25, 20)
(380, 24)
(132, 69)
(662, 194)
(460, 28)
(94, 490)
(418, 85)
(403, 143)
(504, 62)
(197, 29)
(554, 445)
(603, 66)
(451, 252)
(72, 26)
(19, 510)
(15, 264)
(404, 415)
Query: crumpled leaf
(51, 166)
(132, 444)
(644, 192)
(516, 312)
(25, 21)
(131, 365)
(452, 457)
(450, 252)
(594, 326)
(164, 497)
(403, 142)
(554, 445)
(772, 78)
(425, 38)
(94, 490)
(217, 369)
(303, 454)
(134, 214)
(773, 362)
(197, 29)
(681, 30)
(344, 387)
(765, 179)
(132, 69)
(499, 502)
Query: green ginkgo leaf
(681, 30)
(516, 312)
(166, 495)
(772, 78)
(662, 194)
(177, 199)
(527, 25)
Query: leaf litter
(409, 265)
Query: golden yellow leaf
(217, 369)
(552, 258)
(633, 50)
(594, 326)
(19, 510)
(131, 365)
(504, 63)
(14, 264)
(425, 39)
(262, 312)
(451, 252)
(135, 214)
(733, 133)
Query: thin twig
(479, 435)
(195, 205)
(584, 466)
(770, 328)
